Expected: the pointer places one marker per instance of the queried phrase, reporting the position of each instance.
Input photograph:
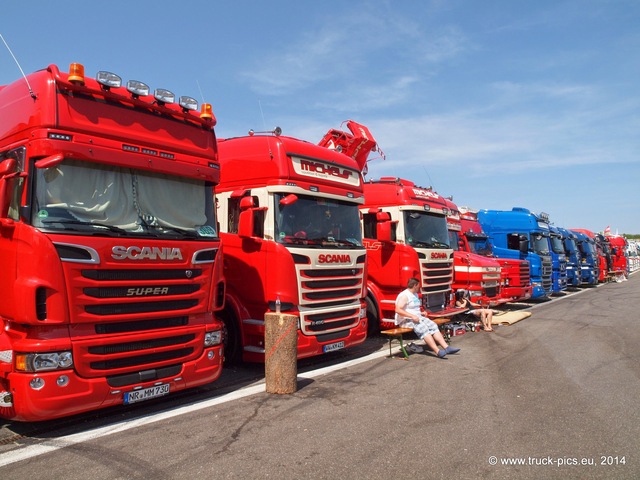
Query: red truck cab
(291, 232)
(515, 279)
(475, 273)
(406, 236)
(109, 284)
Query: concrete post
(281, 352)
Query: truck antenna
(429, 176)
(200, 90)
(33, 95)
(264, 125)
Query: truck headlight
(212, 338)
(43, 362)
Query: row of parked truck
(138, 252)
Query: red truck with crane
(290, 227)
(109, 282)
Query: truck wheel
(373, 323)
(231, 339)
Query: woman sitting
(486, 314)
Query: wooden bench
(615, 276)
(440, 321)
(396, 334)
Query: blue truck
(518, 233)
(574, 258)
(559, 260)
(589, 263)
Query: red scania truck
(405, 233)
(109, 283)
(478, 274)
(515, 277)
(291, 232)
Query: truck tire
(231, 338)
(372, 318)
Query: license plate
(146, 394)
(332, 347)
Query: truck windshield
(540, 244)
(556, 244)
(454, 240)
(91, 198)
(314, 221)
(586, 248)
(570, 245)
(426, 230)
(479, 243)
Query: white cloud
(345, 50)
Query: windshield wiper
(180, 231)
(434, 244)
(86, 225)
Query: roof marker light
(108, 80)
(137, 89)
(164, 96)
(188, 103)
(76, 72)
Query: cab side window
(513, 241)
(233, 214)
(369, 225)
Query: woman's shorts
(425, 327)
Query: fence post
(281, 352)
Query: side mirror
(289, 199)
(7, 166)
(245, 224)
(50, 161)
(246, 203)
(7, 169)
(383, 231)
(383, 217)
(383, 226)
(245, 221)
(524, 244)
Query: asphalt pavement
(553, 396)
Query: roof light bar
(188, 103)
(138, 89)
(164, 96)
(108, 80)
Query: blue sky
(500, 103)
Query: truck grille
(329, 297)
(156, 305)
(525, 274)
(491, 291)
(436, 285)
(547, 271)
